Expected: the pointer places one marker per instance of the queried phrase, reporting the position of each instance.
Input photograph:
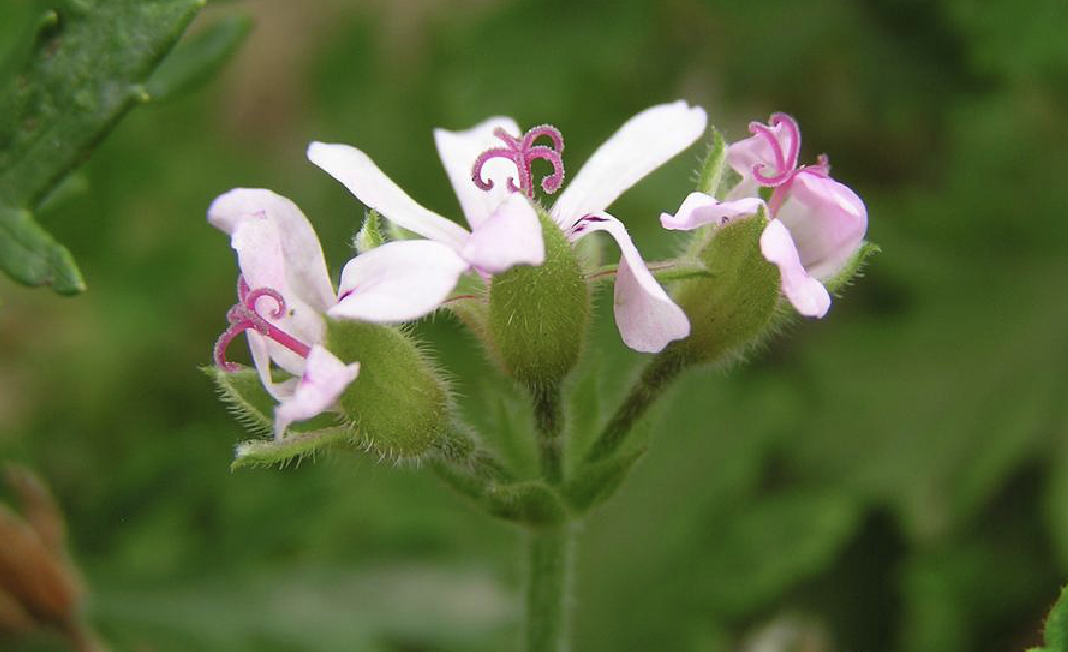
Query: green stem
(655, 378)
(466, 467)
(548, 569)
(549, 421)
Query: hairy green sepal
(294, 448)
(538, 315)
(852, 269)
(245, 396)
(398, 404)
(736, 305)
(370, 234)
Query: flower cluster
(818, 223)
(285, 295)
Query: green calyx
(736, 305)
(398, 405)
(538, 316)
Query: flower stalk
(549, 552)
(655, 378)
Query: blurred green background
(894, 477)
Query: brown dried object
(39, 585)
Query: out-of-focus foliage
(73, 70)
(895, 476)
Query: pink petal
(323, 381)
(260, 347)
(304, 268)
(511, 236)
(646, 316)
(260, 254)
(699, 209)
(642, 144)
(827, 222)
(398, 281)
(806, 294)
(357, 172)
(744, 154)
(458, 151)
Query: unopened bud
(538, 315)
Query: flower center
(522, 151)
(243, 316)
(786, 169)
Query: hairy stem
(549, 421)
(466, 467)
(655, 378)
(548, 571)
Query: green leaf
(196, 59)
(1056, 630)
(530, 503)
(596, 482)
(82, 73)
(29, 255)
(771, 545)
(271, 452)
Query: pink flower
(489, 167)
(285, 293)
(818, 223)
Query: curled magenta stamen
(785, 162)
(793, 133)
(522, 152)
(243, 316)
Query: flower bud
(398, 404)
(736, 305)
(538, 315)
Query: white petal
(459, 150)
(261, 358)
(301, 255)
(511, 236)
(260, 255)
(806, 294)
(398, 281)
(646, 316)
(827, 222)
(357, 172)
(644, 143)
(699, 209)
(323, 381)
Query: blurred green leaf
(30, 256)
(596, 482)
(82, 75)
(317, 608)
(1056, 630)
(196, 59)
